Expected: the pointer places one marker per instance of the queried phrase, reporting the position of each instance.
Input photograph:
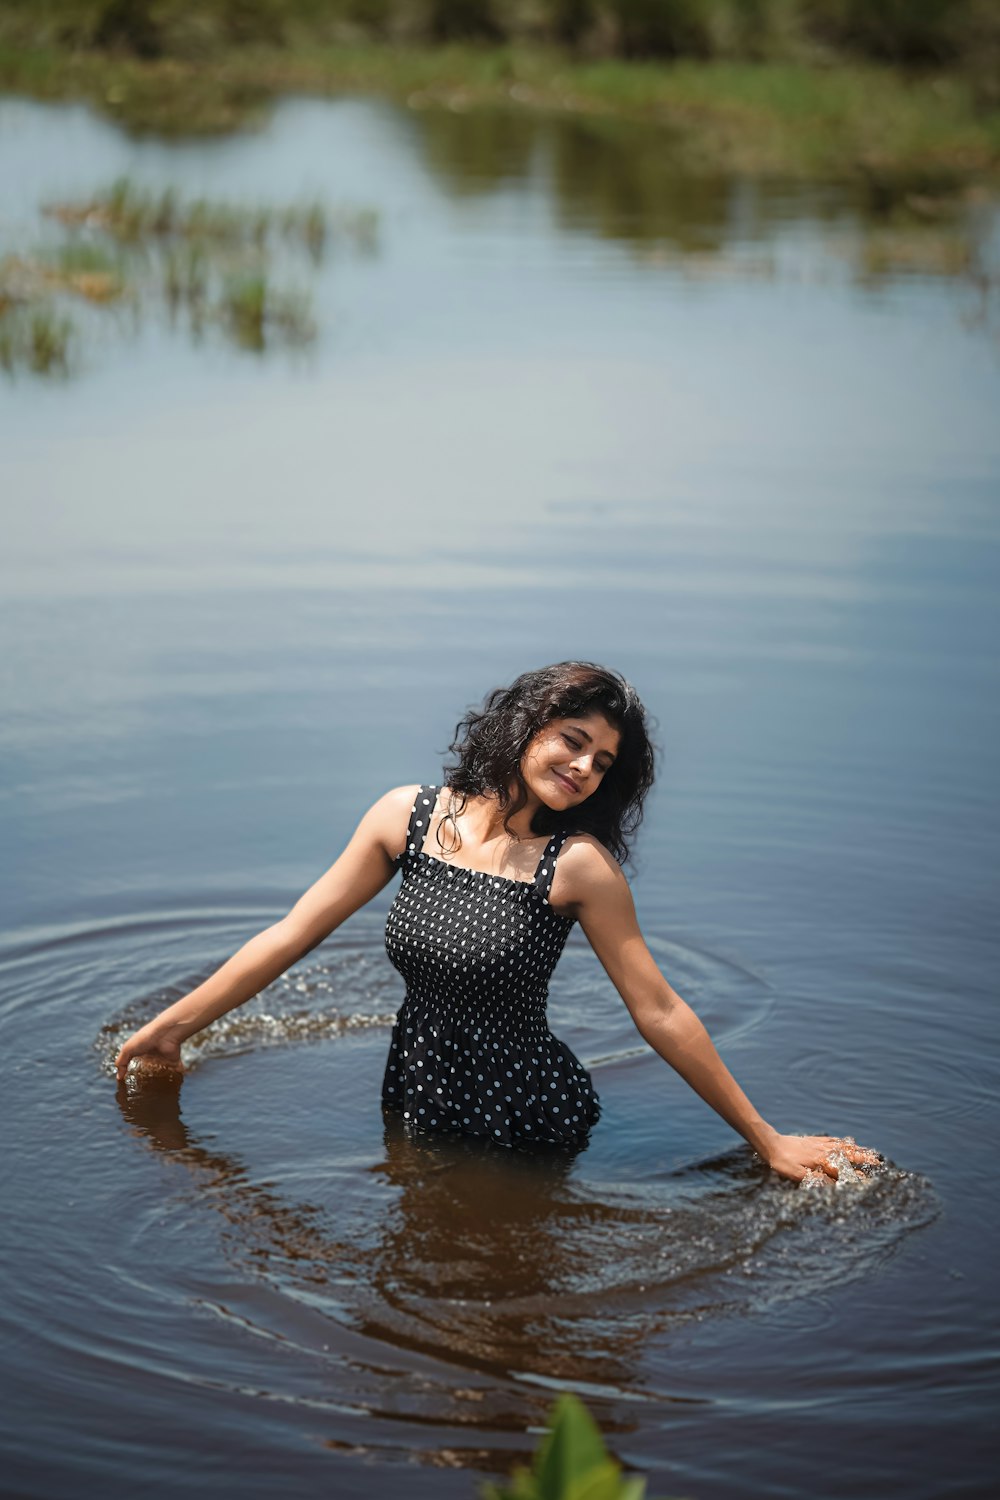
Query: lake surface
(569, 404)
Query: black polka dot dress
(471, 1051)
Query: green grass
(209, 263)
(130, 214)
(768, 117)
(84, 258)
(38, 339)
(255, 313)
(87, 270)
(186, 280)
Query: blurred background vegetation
(812, 86)
(912, 33)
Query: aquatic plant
(209, 262)
(80, 270)
(36, 339)
(253, 311)
(571, 1463)
(186, 279)
(132, 214)
(88, 270)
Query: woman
(525, 839)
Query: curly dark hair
(490, 743)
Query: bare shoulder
(588, 856)
(398, 799)
(585, 870)
(386, 820)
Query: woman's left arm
(591, 886)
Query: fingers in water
(840, 1160)
(847, 1146)
(159, 1067)
(147, 1066)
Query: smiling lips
(570, 786)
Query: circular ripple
(260, 1232)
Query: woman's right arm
(364, 868)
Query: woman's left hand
(799, 1156)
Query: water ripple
(409, 1283)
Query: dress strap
(547, 864)
(420, 818)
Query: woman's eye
(573, 744)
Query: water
(572, 405)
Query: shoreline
(851, 121)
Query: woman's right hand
(365, 868)
(156, 1043)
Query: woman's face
(567, 759)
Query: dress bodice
(471, 1049)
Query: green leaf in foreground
(573, 1449)
(572, 1463)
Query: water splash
(509, 1262)
(318, 1003)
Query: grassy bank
(852, 118)
(828, 87)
